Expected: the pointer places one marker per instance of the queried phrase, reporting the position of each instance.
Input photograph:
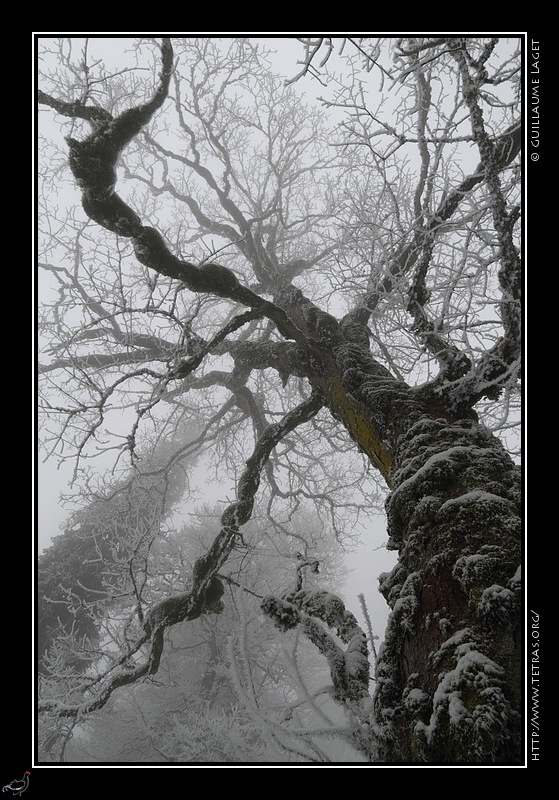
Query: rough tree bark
(449, 678)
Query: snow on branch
(493, 154)
(349, 667)
(93, 164)
(204, 595)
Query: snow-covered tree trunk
(449, 673)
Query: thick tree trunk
(449, 676)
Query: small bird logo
(17, 787)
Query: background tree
(332, 301)
(227, 688)
(104, 556)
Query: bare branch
(191, 604)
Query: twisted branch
(191, 604)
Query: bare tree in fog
(330, 299)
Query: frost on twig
(365, 610)
(93, 162)
(201, 597)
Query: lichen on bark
(454, 516)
